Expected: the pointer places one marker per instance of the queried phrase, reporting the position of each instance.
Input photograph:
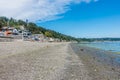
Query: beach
(54, 61)
(40, 61)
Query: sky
(78, 18)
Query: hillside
(35, 29)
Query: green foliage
(32, 27)
(3, 21)
(20, 22)
(0, 25)
(48, 34)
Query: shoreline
(55, 61)
(101, 64)
(101, 46)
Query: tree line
(98, 39)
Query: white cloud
(34, 10)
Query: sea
(113, 46)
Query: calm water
(110, 46)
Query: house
(51, 40)
(5, 34)
(57, 40)
(15, 32)
(9, 30)
(1, 33)
(38, 37)
(26, 33)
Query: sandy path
(37, 61)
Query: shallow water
(109, 46)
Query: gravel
(40, 61)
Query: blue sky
(78, 18)
(94, 19)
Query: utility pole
(22, 35)
(8, 23)
(27, 22)
(22, 28)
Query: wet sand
(102, 65)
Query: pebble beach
(40, 61)
(53, 61)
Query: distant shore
(55, 61)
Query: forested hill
(98, 39)
(32, 27)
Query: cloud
(36, 10)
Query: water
(109, 46)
